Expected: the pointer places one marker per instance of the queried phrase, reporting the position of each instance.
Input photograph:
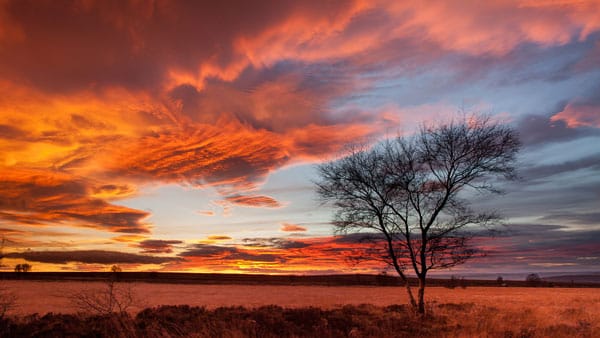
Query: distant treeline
(322, 280)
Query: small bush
(533, 279)
(7, 301)
(112, 297)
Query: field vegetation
(443, 320)
(46, 309)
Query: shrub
(7, 301)
(22, 268)
(112, 297)
(533, 279)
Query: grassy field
(313, 311)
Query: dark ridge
(323, 280)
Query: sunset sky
(184, 135)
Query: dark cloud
(157, 246)
(527, 229)
(355, 238)
(89, 257)
(248, 256)
(279, 98)
(274, 242)
(201, 250)
(131, 44)
(549, 241)
(535, 130)
(83, 122)
(11, 132)
(534, 247)
(113, 190)
(591, 162)
(229, 253)
(554, 187)
(583, 218)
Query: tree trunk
(411, 297)
(421, 307)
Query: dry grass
(475, 311)
(447, 320)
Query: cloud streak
(89, 257)
(157, 246)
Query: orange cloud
(129, 238)
(287, 227)
(497, 27)
(579, 115)
(253, 201)
(41, 197)
(206, 212)
(218, 238)
(227, 153)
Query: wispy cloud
(157, 246)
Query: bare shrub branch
(113, 297)
(7, 301)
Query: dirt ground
(47, 296)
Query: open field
(326, 311)
(47, 296)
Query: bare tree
(410, 192)
(110, 298)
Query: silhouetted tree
(533, 279)
(452, 282)
(115, 269)
(22, 267)
(407, 191)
